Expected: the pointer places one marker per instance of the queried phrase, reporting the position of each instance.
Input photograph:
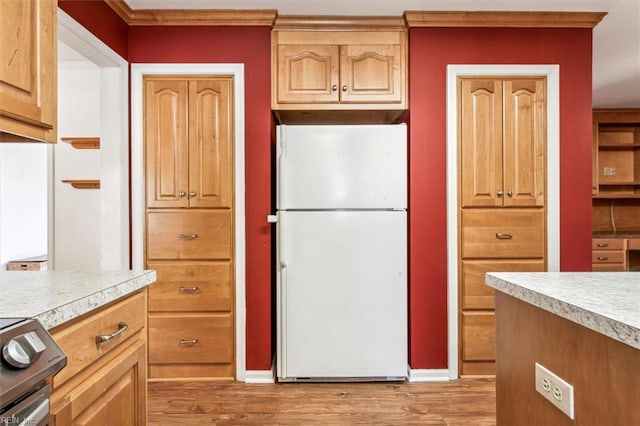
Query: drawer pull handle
(603, 244)
(603, 257)
(188, 237)
(504, 236)
(122, 327)
(189, 289)
(188, 342)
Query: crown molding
(504, 19)
(198, 17)
(338, 23)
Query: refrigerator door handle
(282, 312)
(272, 218)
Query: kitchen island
(99, 320)
(585, 328)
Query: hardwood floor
(460, 402)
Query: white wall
(77, 212)
(23, 201)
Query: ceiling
(616, 40)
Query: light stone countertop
(606, 302)
(56, 297)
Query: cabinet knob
(500, 193)
(181, 194)
(344, 88)
(510, 193)
(192, 194)
(334, 87)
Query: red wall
(101, 20)
(430, 50)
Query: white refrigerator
(341, 253)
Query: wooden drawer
(191, 287)
(189, 234)
(479, 336)
(78, 340)
(607, 244)
(608, 267)
(503, 233)
(607, 256)
(171, 339)
(475, 293)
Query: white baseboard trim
(419, 375)
(261, 376)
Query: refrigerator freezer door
(342, 295)
(342, 167)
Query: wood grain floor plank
(460, 402)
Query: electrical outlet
(609, 171)
(555, 390)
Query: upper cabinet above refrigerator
(355, 74)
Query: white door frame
(114, 149)
(138, 183)
(552, 73)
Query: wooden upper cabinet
(503, 140)
(481, 137)
(28, 70)
(308, 74)
(324, 70)
(371, 74)
(210, 142)
(525, 142)
(166, 142)
(188, 142)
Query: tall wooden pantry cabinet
(188, 122)
(501, 200)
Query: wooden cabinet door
(210, 142)
(524, 142)
(480, 158)
(166, 142)
(308, 74)
(114, 395)
(371, 74)
(28, 68)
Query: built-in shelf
(83, 183)
(616, 196)
(620, 146)
(83, 143)
(619, 183)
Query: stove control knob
(23, 350)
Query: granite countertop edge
(67, 294)
(616, 329)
